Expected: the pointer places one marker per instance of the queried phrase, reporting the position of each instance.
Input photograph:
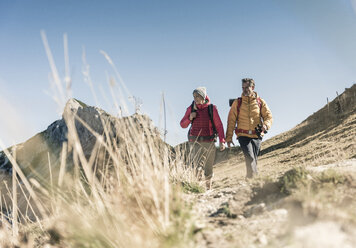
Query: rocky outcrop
(35, 155)
(83, 131)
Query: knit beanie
(200, 91)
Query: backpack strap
(191, 122)
(259, 102)
(239, 102)
(210, 111)
(192, 110)
(211, 116)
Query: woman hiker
(205, 126)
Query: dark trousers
(250, 147)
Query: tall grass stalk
(14, 201)
(126, 192)
(17, 169)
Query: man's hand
(229, 144)
(192, 115)
(222, 147)
(264, 128)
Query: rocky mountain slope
(79, 139)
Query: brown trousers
(202, 156)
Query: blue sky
(299, 53)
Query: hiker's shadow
(221, 156)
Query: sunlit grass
(126, 192)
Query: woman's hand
(222, 147)
(192, 115)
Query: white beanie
(200, 91)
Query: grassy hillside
(326, 136)
(137, 193)
(110, 182)
(303, 196)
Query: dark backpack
(210, 111)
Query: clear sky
(299, 52)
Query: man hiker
(253, 119)
(205, 126)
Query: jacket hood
(204, 105)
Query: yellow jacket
(249, 117)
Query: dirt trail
(318, 209)
(240, 213)
(228, 215)
(312, 205)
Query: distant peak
(72, 106)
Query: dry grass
(127, 193)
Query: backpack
(210, 111)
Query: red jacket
(201, 124)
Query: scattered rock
(281, 213)
(224, 210)
(255, 210)
(240, 217)
(218, 195)
(262, 239)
